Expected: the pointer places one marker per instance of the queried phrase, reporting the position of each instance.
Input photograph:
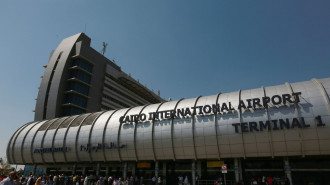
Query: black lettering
(173, 114)
(287, 98)
(151, 117)
(216, 108)
(143, 117)
(155, 116)
(231, 107)
(244, 127)
(249, 103)
(180, 112)
(224, 107)
(241, 105)
(187, 111)
(126, 119)
(285, 123)
(253, 126)
(263, 125)
(296, 96)
(256, 101)
(207, 109)
(265, 101)
(275, 125)
(136, 118)
(167, 114)
(295, 123)
(200, 109)
(121, 119)
(319, 121)
(303, 122)
(279, 99)
(236, 126)
(193, 110)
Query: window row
(115, 100)
(83, 89)
(76, 99)
(80, 75)
(82, 64)
(122, 94)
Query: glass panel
(76, 99)
(82, 64)
(80, 75)
(83, 89)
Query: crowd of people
(14, 179)
(264, 180)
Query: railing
(212, 182)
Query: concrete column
(193, 172)
(236, 169)
(199, 169)
(133, 169)
(97, 169)
(287, 169)
(107, 171)
(164, 169)
(240, 169)
(34, 169)
(74, 167)
(125, 171)
(156, 169)
(84, 171)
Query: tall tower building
(78, 79)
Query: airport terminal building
(279, 131)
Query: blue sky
(182, 48)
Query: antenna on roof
(104, 47)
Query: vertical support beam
(135, 127)
(34, 169)
(103, 135)
(107, 171)
(237, 170)
(193, 117)
(23, 142)
(216, 128)
(199, 169)
(172, 142)
(156, 169)
(270, 135)
(125, 171)
(240, 169)
(287, 169)
(84, 171)
(11, 146)
(74, 167)
(193, 172)
(90, 134)
(240, 121)
(133, 168)
(152, 133)
(298, 115)
(98, 169)
(164, 170)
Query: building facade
(279, 131)
(78, 80)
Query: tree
(5, 168)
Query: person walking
(186, 181)
(10, 180)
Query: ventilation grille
(57, 123)
(91, 118)
(66, 123)
(78, 120)
(46, 124)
